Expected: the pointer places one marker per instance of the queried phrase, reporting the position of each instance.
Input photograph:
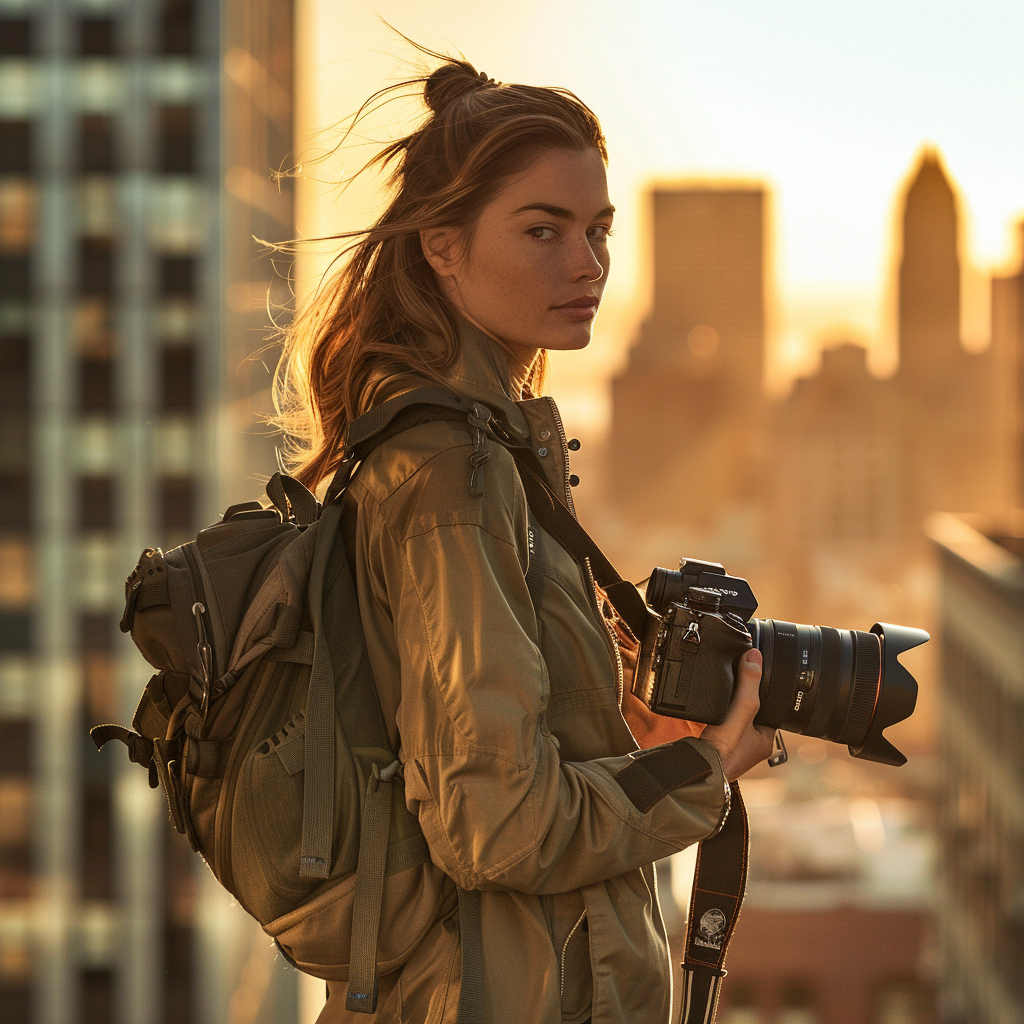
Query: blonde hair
(369, 322)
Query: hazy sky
(826, 102)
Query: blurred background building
(872, 897)
(980, 897)
(137, 139)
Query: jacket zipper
(565, 455)
(609, 631)
(565, 947)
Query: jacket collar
(484, 371)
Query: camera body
(842, 685)
(688, 662)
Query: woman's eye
(542, 233)
(600, 232)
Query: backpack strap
(374, 835)
(318, 783)
(377, 420)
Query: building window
(14, 276)
(178, 379)
(177, 276)
(97, 996)
(96, 385)
(15, 147)
(96, 640)
(17, 214)
(15, 810)
(177, 140)
(179, 914)
(15, 631)
(16, 747)
(16, 999)
(15, 37)
(15, 509)
(96, 269)
(177, 504)
(176, 36)
(797, 1006)
(96, 37)
(17, 586)
(96, 144)
(15, 380)
(97, 855)
(96, 504)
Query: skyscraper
(130, 183)
(952, 402)
(687, 409)
(980, 899)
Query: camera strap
(563, 526)
(719, 884)
(720, 879)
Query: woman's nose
(585, 264)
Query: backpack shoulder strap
(373, 427)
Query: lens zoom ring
(779, 699)
(865, 688)
(829, 673)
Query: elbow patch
(654, 773)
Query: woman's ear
(441, 249)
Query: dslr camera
(837, 684)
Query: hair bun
(451, 82)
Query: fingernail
(754, 657)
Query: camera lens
(837, 684)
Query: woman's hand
(649, 729)
(739, 742)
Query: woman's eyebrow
(560, 211)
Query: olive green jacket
(509, 728)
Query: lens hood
(897, 692)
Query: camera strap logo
(711, 930)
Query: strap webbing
(471, 993)
(379, 418)
(535, 570)
(565, 528)
(719, 884)
(292, 500)
(318, 783)
(374, 834)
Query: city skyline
(773, 98)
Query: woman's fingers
(745, 700)
(739, 742)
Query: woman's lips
(579, 309)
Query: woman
(513, 724)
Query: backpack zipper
(206, 594)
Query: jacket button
(542, 452)
(545, 434)
(574, 445)
(574, 480)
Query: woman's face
(537, 261)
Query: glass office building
(137, 139)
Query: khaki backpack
(263, 726)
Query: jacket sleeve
(498, 806)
